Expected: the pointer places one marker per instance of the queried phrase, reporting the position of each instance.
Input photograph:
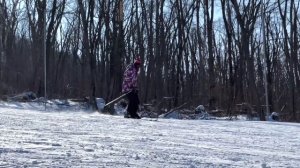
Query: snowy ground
(32, 137)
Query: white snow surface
(33, 137)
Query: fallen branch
(176, 108)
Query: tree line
(216, 53)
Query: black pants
(133, 104)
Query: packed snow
(66, 136)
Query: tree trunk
(211, 59)
(87, 21)
(117, 51)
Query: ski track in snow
(33, 138)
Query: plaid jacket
(129, 78)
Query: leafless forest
(217, 53)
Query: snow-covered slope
(35, 138)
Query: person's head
(137, 62)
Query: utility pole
(264, 56)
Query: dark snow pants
(133, 104)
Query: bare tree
(227, 15)
(56, 15)
(35, 9)
(246, 17)
(209, 15)
(291, 48)
(188, 52)
(117, 50)
(89, 44)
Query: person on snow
(129, 86)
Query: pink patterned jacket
(129, 78)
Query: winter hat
(137, 61)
